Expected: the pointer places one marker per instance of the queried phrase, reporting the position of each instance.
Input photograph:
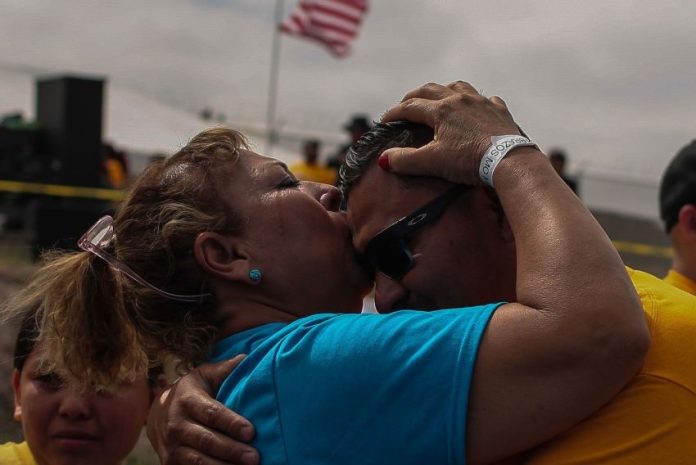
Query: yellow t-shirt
(115, 173)
(680, 281)
(16, 454)
(316, 173)
(653, 420)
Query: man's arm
(577, 333)
(187, 425)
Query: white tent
(137, 123)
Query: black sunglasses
(388, 251)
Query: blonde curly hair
(99, 326)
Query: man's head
(678, 205)
(678, 186)
(310, 151)
(462, 254)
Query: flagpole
(272, 135)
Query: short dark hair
(558, 154)
(26, 339)
(312, 143)
(678, 186)
(366, 150)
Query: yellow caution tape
(118, 195)
(62, 191)
(643, 249)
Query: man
(309, 169)
(444, 253)
(558, 161)
(651, 421)
(678, 211)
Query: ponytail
(101, 326)
(83, 319)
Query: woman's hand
(463, 122)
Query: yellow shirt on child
(16, 454)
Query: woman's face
(66, 427)
(297, 237)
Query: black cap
(359, 123)
(678, 187)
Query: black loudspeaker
(18, 159)
(59, 223)
(69, 111)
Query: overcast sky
(613, 82)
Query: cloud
(610, 81)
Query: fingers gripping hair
(363, 153)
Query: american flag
(333, 23)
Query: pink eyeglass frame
(99, 237)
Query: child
(66, 425)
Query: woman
(220, 243)
(64, 425)
(179, 214)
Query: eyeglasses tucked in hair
(100, 236)
(388, 251)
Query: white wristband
(500, 146)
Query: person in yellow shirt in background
(65, 425)
(114, 166)
(310, 169)
(678, 211)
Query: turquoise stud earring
(255, 275)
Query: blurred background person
(678, 212)
(558, 161)
(115, 166)
(356, 127)
(309, 169)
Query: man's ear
(219, 256)
(687, 219)
(16, 379)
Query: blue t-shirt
(357, 389)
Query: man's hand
(188, 426)
(463, 122)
